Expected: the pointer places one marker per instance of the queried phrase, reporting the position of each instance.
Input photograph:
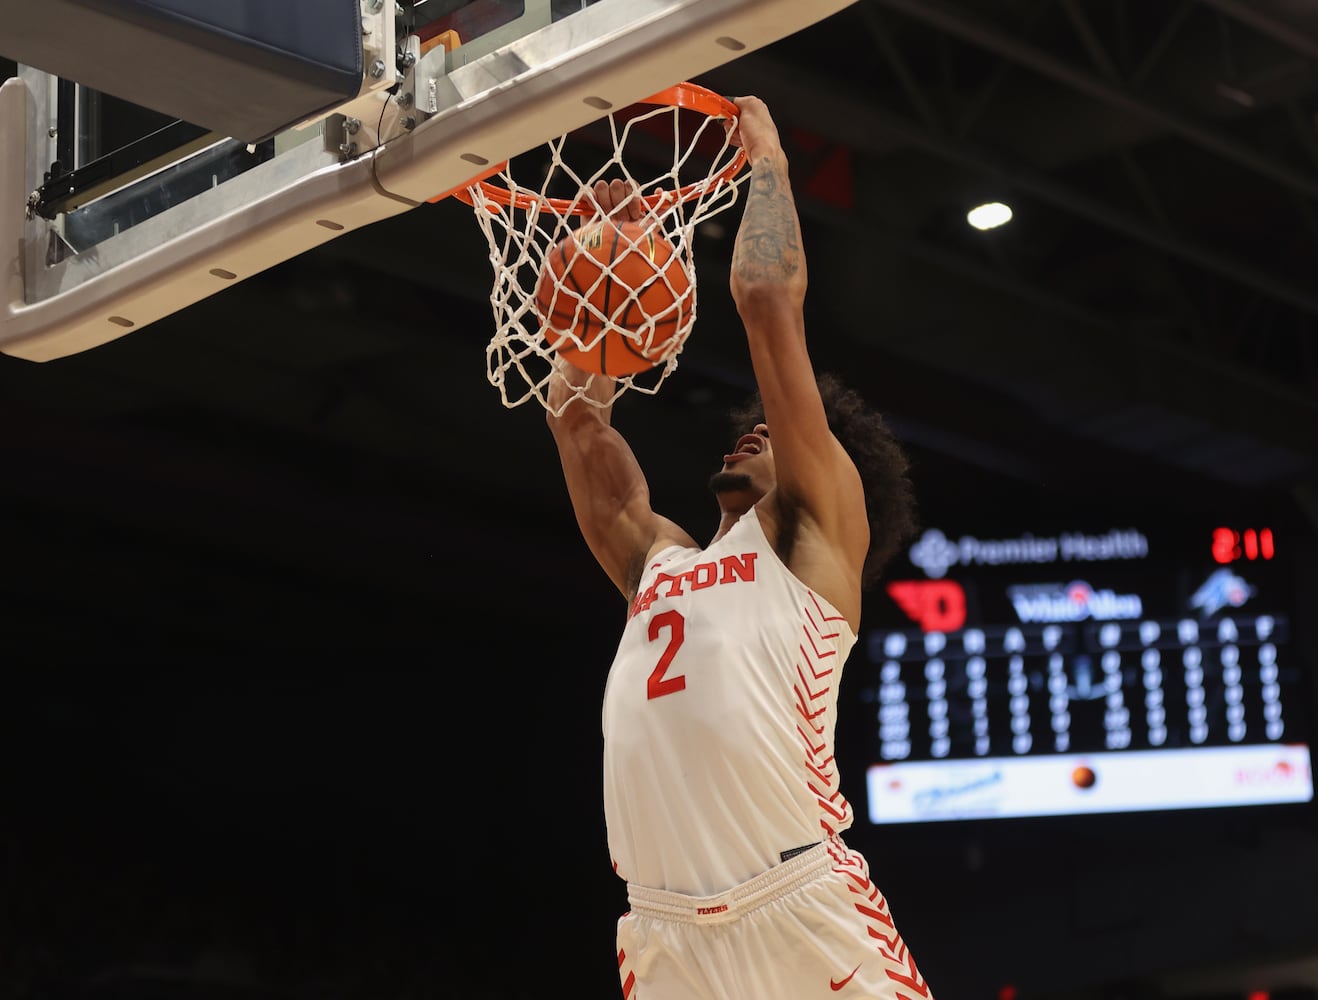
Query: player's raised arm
(609, 492)
(768, 283)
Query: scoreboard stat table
(1150, 683)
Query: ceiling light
(989, 216)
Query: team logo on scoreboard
(936, 605)
(1072, 602)
(1221, 589)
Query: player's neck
(732, 512)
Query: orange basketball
(618, 273)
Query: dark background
(303, 653)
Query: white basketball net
(520, 362)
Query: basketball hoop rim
(682, 95)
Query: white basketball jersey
(718, 718)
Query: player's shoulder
(668, 543)
(665, 548)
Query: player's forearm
(768, 258)
(599, 466)
(608, 493)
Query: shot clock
(1231, 544)
(1095, 668)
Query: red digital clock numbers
(1230, 545)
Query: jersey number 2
(659, 685)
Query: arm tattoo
(767, 245)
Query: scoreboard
(1099, 669)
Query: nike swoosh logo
(836, 985)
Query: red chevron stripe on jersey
(826, 617)
(815, 671)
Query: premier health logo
(935, 553)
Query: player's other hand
(619, 200)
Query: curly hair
(883, 465)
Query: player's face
(748, 468)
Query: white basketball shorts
(813, 926)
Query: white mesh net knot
(523, 223)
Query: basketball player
(721, 796)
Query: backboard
(450, 91)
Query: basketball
(608, 275)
